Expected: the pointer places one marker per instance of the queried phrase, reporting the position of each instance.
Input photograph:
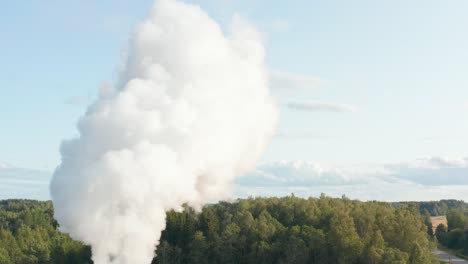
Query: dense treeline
(295, 230)
(260, 230)
(29, 234)
(455, 236)
(435, 208)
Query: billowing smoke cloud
(190, 112)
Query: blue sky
(358, 82)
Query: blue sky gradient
(400, 66)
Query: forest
(436, 208)
(455, 236)
(29, 234)
(253, 230)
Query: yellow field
(437, 220)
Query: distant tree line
(455, 236)
(436, 208)
(254, 230)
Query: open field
(437, 220)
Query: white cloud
(425, 179)
(4, 165)
(288, 80)
(431, 178)
(320, 107)
(366, 192)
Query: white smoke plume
(190, 112)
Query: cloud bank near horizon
(425, 179)
(432, 178)
(21, 183)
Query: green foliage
(29, 235)
(252, 231)
(295, 230)
(428, 223)
(456, 235)
(456, 219)
(441, 234)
